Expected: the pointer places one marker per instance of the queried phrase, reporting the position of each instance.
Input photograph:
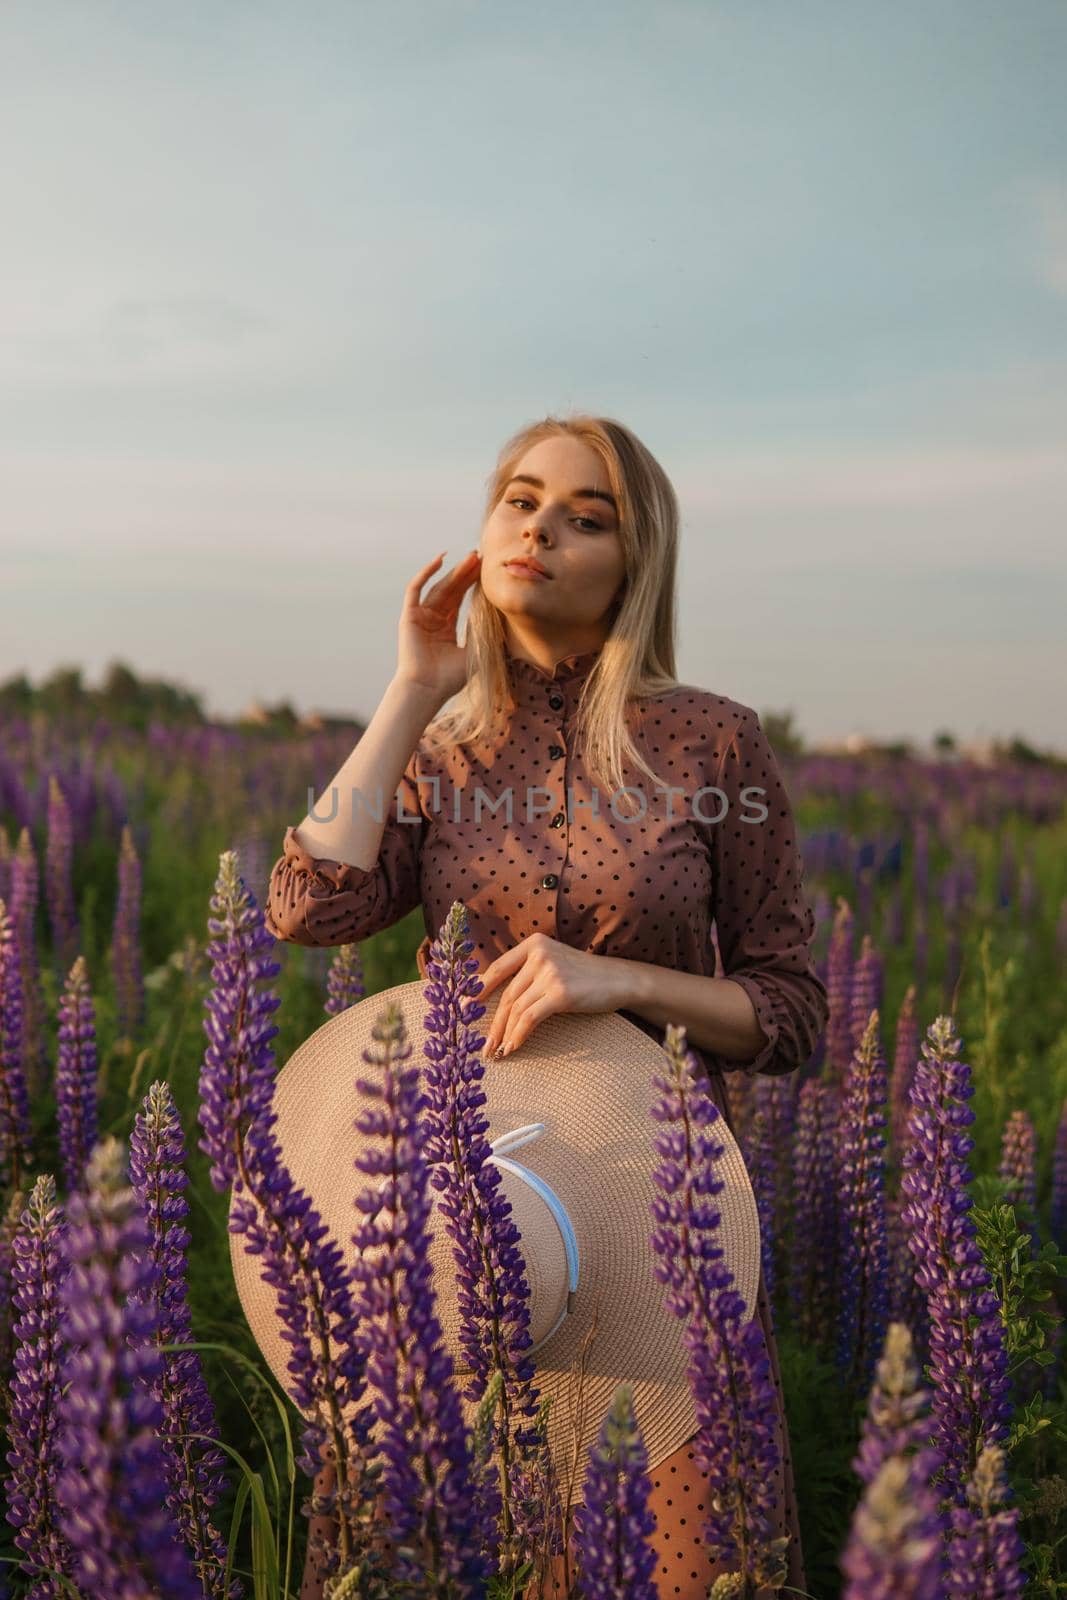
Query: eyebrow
(579, 494)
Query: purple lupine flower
(895, 1546)
(863, 1285)
(986, 1550)
(729, 1367)
(308, 1271)
(814, 1242)
(905, 1055)
(839, 992)
(76, 1076)
(1058, 1212)
(23, 907)
(32, 1421)
(59, 877)
(429, 1477)
(968, 1358)
(9, 1226)
(195, 1469)
(865, 994)
(16, 1127)
(616, 1560)
(767, 1146)
(896, 1421)
(894, 1549)
(345, 982)
(492, 1289)
(126, 940)
(907, 1302)
(111, 1487)
(238, 1070)
(1018, 1167)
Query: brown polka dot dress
(515, 828)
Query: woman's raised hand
(428, 653)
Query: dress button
(555, 751)
(558, 820)
(555, 701)
(549, 881)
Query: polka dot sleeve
(312, 900)
(765, 925)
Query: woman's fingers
(456, 581)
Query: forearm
(716, 1013)
(345, 827)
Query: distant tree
(1018, 750)
(782, 736)
(944, 741)
(17, 694)
(63, 692)
(899, 749)
(121, 689)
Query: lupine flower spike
(492, 1289)
(344, 980)
(428, 1479)
(314, 1287)
(1018, 1168)
(968, 1356)
(811, 1271)
(616, 1561)
(16, 1128)
(32, 1423)
(77, 1066)
(59, 877)
(112, 1486)
(863, 1246)
(839, 993)
(985, 1556)
(195, 1468)
(729, 1367)
(126, 940)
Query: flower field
(911, 1185)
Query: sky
(278, 281)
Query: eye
(520, 500)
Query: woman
(597, 888)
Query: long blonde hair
(637, 657)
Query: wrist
(422, 696)
(633, 983)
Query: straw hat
(568, 1113)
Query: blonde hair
(637, 658)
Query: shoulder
(710, 724)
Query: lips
(530, 565)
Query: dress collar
(533, 685)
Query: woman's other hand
(428, 654)
(546, 977)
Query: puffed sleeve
(763, 920)
(312, 900)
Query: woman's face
(574, 536)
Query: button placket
(556, 752)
